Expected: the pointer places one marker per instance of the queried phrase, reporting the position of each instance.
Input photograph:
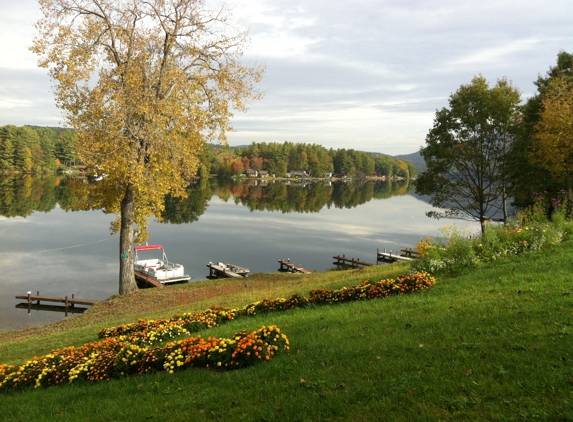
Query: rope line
(65, 247)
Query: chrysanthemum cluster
(153, 331)
(128, 349)
(115, 358)
(144, 331)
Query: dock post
(66, 306)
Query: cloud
(27, 99)
(496, 55)
(368, 72)
(16, 33)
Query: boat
(157, 271)
(220, 269)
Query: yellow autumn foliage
(553, 148)
(144, 85)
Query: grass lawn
(493, 343)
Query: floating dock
(390, 257)
(227, 270)
(409, 252)
(354, 263)
(69, 302)
(290, 267)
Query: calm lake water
(57, 252)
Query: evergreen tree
(7, 148)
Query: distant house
(263, 173)
(297, 173)
(251, 173)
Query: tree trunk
(127, 282)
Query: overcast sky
(367, 75)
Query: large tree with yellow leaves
(553, 145)
(145, 84)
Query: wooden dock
(409, 252)
(69, 302)
(290, 267)
(391, 257)
(147, 281)
(226, 270)
(354, 263)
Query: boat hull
(167, 280)
(227, 270)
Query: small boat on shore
(157, 271)
(220, 269)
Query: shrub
(459, 249)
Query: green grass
(163, 303)
(493, 343)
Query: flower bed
(144, 331)
(114, 358)
(127, 349)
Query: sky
(361, 74)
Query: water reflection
(252, 224)
(51, 308)
(20, 196)
(286, 197)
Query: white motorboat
(220, 269)
(157, 270)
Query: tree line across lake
(280, 159)
(33, 149)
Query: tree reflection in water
(22, 195)
(285, 197)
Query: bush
(536, 228)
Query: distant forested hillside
(281, 159)
(414, 158)
(34, 149)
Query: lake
(46, 247)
